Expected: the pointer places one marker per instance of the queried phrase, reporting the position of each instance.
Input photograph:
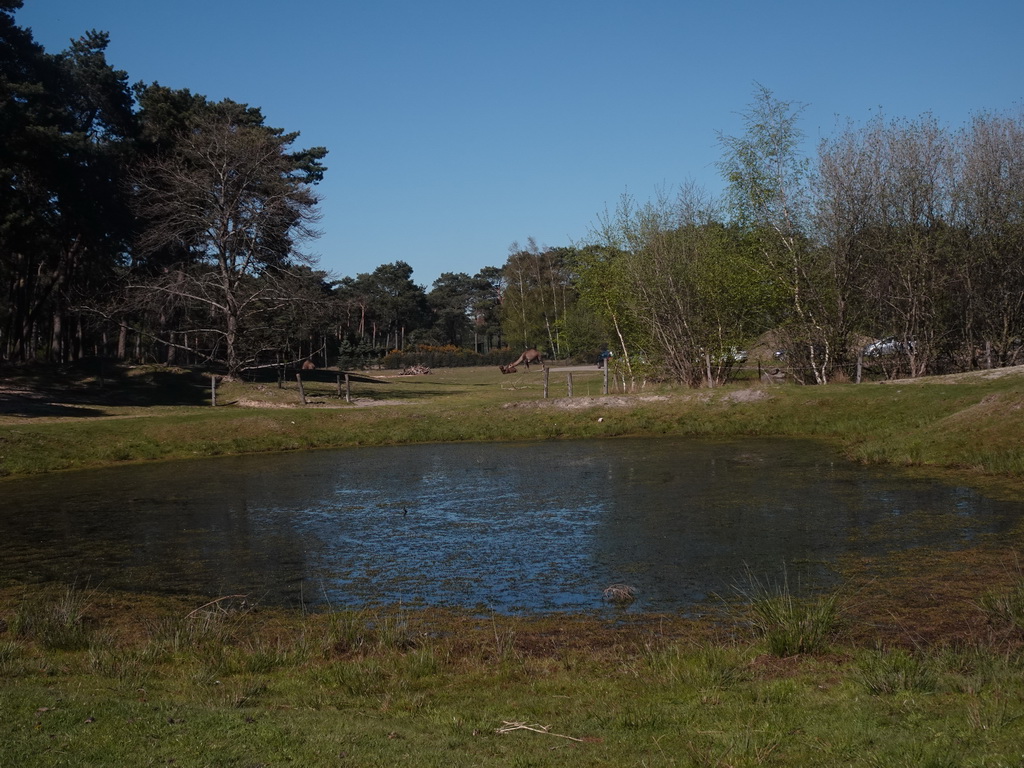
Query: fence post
(348, 389)
(547, 375)
(302, 392)
(569, 383)
(604, 389)
(213, 390)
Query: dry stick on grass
(508, 727)
(214, 602)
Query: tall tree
(678, 288)
(537, 295)
(67, 123)
(452, 298)
(489, 287)
(226, 204)
(889, 221)
(769, 193)
(395, 305)
(989, 277)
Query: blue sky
(458, 127)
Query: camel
(529, 356)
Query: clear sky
(456, 127)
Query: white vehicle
(888, 346)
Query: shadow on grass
(88, 387)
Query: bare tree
(537, 296)
(229, 204)
(990, 274)
(913, 241)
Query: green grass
(1006, 606)
(241, 686)
(968, 425)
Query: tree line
(898, 245)
(150, 224)
(898, 230)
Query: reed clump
(54, 621)
(789, 624)
(1006, 606)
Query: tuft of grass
(361, 631)
(705, 668)
(346, 631)
(56, 622)
(392, 632)
(790, 625)
(893, 671)
(129, 666)
(1007, 606)
(10, 658)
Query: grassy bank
(92, 679)
(966, 423)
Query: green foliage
(675, 287)
(64, 224)
(538, 294)
(464, 310)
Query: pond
(509, 527)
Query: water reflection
(505, 527)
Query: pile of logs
(415, 370)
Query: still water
(529, 527)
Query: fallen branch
(508, 727)
(214, 602)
